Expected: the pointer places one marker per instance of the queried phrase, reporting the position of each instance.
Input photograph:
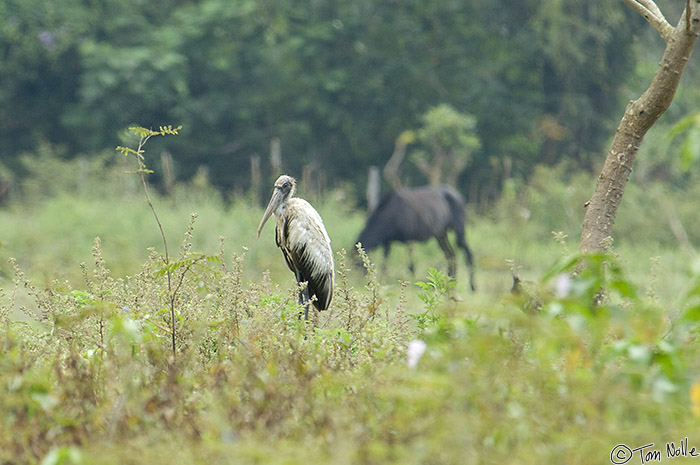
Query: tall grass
(556, 373)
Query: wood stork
(301, 235)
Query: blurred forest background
(325, 89)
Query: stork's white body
(302, 236)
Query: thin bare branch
(651, 12)
(651, 6)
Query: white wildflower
(562, 286)
(414, 352)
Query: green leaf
(691, 314)
(64, 455)
(683, 125)
(690, 151)
(142, 132)
(624, 288)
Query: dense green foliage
(335, 82)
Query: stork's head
(284, 189)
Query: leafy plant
(437, 289)
(689, 129)
(142, 171)
(604, 323)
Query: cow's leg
(462, 244)
(449, 253)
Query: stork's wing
(319, 279)
(307, 250)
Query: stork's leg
(307, 302)
(302, 303)
(304, 296)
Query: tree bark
(391, 169)
(640, 115)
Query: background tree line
(335, 82)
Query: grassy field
(555, 374)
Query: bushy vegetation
(559, 371)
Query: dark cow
(408, 215)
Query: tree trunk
(640, 115)
(391, 169)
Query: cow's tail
(457, 204)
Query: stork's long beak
(275, 202)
